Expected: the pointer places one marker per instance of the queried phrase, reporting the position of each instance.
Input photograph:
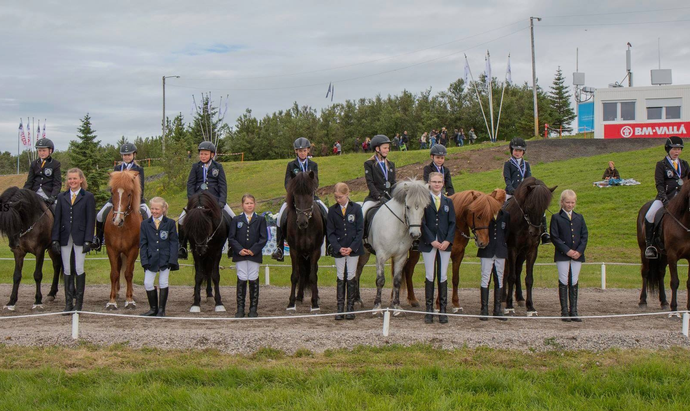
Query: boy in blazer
(438, 155)
(493, 259)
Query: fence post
(386, 322)
(686, 323)
(268, 276)
(75, 326)
(603, 276)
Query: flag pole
(505, 80)
(481, 106)
(18, 138)
(491, 97)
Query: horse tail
(10, 219)
(305, 274)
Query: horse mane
(533, 195)
(302, 185)
(24, 205)
(127, 181)
(485, 207)
(681, 202)
(411, 191)
(202, 211)
(463, 199)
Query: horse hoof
(396, 313)
(130, 305)
(9, 308)
(457, 310)
(220, 309)
(521, 303)
(50, 298)
(674, 314)
(532, 314)
(37, 307)
(210, 300)
(360, 303)
(414, 303)
(642, 306)
(315, 309)
(293, 308)
(665, 306)
(507, 311)
(195, 309)
(111, 306)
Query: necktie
(437, 201)
(342, 210)
(249, 219)
(74, 196)
(570, 216)
(43, 163)
(675, 165)
(158, 223)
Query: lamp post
(163, 135)
(534, 76)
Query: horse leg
(38, 278)
(520, 260)
(397, 280)
(380, 282)
(57, 266)
(209, 289)
(643, 293)
(361, 262)
(294, 279)
(115, 267)
(661, 266)
(19, 255)
(198, 279)
(215, 277)
(314, 278)
(509, 282)
(675, 282)
(411, 263)
(457, 261)
(529, 280)
(129, 276)
(688, 287)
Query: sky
(63, 59)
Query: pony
(395, 226)
(305, 235)
(121, 236)
(674, 231)
(207, 232)
(530, 200)
(27, 222)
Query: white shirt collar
(159, 219)
(344, 206)
(437, 196)
(248, 216)
(570, 214)
(76, 193)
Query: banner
(647, 130)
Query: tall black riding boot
(182, 237)
(485, 304)
(69, 294)
(340, 296)
(253, 298)
(99, 239)
(162, 301)
(429, 296)
(241, 296)
(563, 297)
(79, 294)
(278, 254)
(152, 296)
(442, 302)
(351, 291)
(650, 252)
(498, 309)
(572, 292)
(545, 237)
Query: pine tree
(84, 154)
(561, 111)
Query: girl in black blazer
(344, 229)
(569, 236)
(493, 259)
(438, 231)
(158, 244)
(247, 237)
(75, 216)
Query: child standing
(158, 245)
(44, 173)
(347, 245)
(247, 237)
(493, 260)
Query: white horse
(396, 224)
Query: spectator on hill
(396, 141)
(473, 137)
(405, 139)
(423, 140)
(461, 138)
(357, 145)
(611, 172)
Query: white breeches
(350, 262)
(41, 193)
(247, 270)
(227, 209)
(656, 205)
(429, 263)
(565, 266)
(143, 208)
(487, 265)
(284, 206)
(79, 257)
(150, 276)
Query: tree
(84, 154)
(559, 97)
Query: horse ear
(134, 174)
(499, 194)
(553, 188)
(311, 174)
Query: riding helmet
(673, 142)
(45, 143)
(378, 140)
(301, 142)
(207, 145)
(438, 150)
(128, 148)
(517, 144)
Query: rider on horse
(44, 173)
(515, 170)
(128, 151)
(301, 164)
(668, 177)
(438, 155)
(379, 173)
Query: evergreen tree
(562, 113)
(84, 154)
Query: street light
(534, 76)
(163, 135)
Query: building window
(673, 113)
(663, 108)
(610, 111)
(654, 113)
(619, 111)
(628, 110)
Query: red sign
(647, 130)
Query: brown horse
(122, 236)
(674, 231)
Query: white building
(642, 112)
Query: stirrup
(651, 253)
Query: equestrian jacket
(498, 236)
(447, 182)
(514, 176)
(376, 178)
(567, 234)
(666, 178)
(158, 246)
(77, 220)
(251, 235)
(437, 225)
(294, 167)
(215, 181)
(45, 175)
(133, 167)
(345, 230)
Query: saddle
(367, 226)
(658, 232)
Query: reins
(23, 233)
(474, 229)
(524, 215)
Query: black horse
(305, 231)
(526, 208)
(207, 232)
(27, 222)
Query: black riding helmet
(45, 143)
(517, 144)
(673, 142)
(300, 143)
(438, 150)
(128, 148)
(378, 140)
(207, 145)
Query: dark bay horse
(526, 208)
(27, 222)
(207, 232)
(122, 233)
(674, 230)
(305, 235)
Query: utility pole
(534, 77)
(163, 135)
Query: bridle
(540, 226)
(474, 229)
(406, 223)
(127, 211)
(28, 230)
(205, 243)
(307, 212)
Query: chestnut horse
(122, 235)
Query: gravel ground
(319, 334)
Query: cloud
(216, 48)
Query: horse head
(414, 195)
(204, 219)
(301, 191)
(532, 198)
(481, 211)
(126, 194)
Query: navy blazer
(252, 236)
(438, 225)
(134, 167)
(158, 247)
(666, 179)
(215, 180)
(46, 177)
(448, 188)
(345, 231)
(293, 168)
(77, 220)
(512, 175)
(376, 179)
(568, 235)
(498, 237)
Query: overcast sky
(62, 59)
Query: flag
(467, 72)
(332, 92)
(194, 107)
(44, 129)
(509, 72)
(28, 134)
(329, 90)
(21, 133)
(487, 68)
(225, 110)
